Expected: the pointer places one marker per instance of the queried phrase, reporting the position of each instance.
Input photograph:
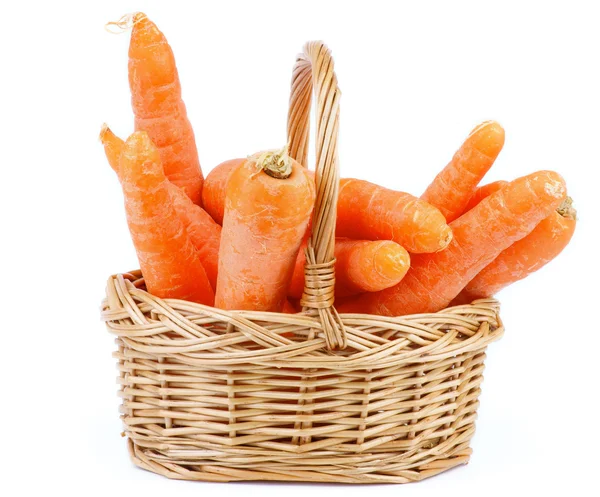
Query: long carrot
(215, 186)
(167, 257)
(452, 188)
(480, 236)
(268, 204)
(525, 256)
(370, 212)
(484, 191)
(204, 233)
(158, 107)
(361, 266)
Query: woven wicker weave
(222, 395)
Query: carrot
(288, 308)
(268, 204)
(525, 256)
(483, 192)
(204, 233)
(370, 212)
(480, 236)
(167, 257)
(158, 107)
(452, 188)
(361, 266)
(215, 186)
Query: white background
(415, 77)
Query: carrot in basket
(452, 188)
(370, 212)
(361, 266)
(215, 186)
(204, 233)
(480, 236)
(167, 257)
(525, 256)
(268, 204)
(484, 191)
(158, 107)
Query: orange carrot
(167, 257)
(370, 212)
(204, 233)
(480, 236)
(215, 186)
(483, 192)
(525, 256)
(158, 107)
(361, 266)
(452, 188)
(268, 204)
(288, 308)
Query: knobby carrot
(361, 266)
(167, 257)
(215, 186)
(525, 256)
(484, 191)
(204, 233)
(452, 188)
(267, 207)
(370, 212)
(158, 107)
(480, 236)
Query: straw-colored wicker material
(219, 395)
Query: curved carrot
(264, 223)
(204, 233)
(480, 236)
(525, 256)
(158, 107)
(452, 188)
(370, 212)
(215, 186)
(167, 257)
(361, 266)
(484, 191)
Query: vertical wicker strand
(416, 408)
(164, 397)
(365, 410)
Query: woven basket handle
(314, 68)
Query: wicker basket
(222, 395)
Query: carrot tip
(103, 131)
(275, 163)
(125, 23)
(567, 210)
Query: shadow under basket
(238, 395)
(216, 395)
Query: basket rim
(420, 337)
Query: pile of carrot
(237, 239)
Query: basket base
(146, 459)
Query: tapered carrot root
(480, 236)
(268, 204)
(361, 266)
(204, 233)
(167, 257)
(452, 188)
(215, 187)
(370, 212)
(484, 191)
(525, 256)
(158, 107)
